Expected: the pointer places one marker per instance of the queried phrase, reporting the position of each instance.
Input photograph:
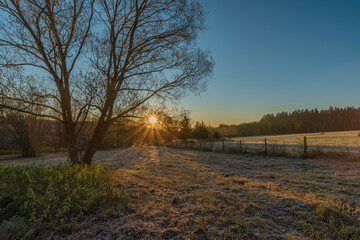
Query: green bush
(56, 195)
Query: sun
(152, 119)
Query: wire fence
(300, 147)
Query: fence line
(302, 149)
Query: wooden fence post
(266, 149)
(241, 149)
(305, 146)
(211, 146)
(223, 146)
(200, 145)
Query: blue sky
(278, 55)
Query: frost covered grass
(185, 194)
(337, 139)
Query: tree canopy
(77, 61)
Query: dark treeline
(31, 136)
(303, 121)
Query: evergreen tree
(185, 131)
(216, 135)
(303, 121)
(201, 131)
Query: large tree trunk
(59, 143)
(28, 139)
(95, 142)
(73, 151)
(72, 143)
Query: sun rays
(154, 128)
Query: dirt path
(186, 194)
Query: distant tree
(185, 130)
(216, 135)
(227, 130)
(303, 121)
(201, 131)
(23, 129)
(168, 129)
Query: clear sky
(278, 55)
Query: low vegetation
(186, 194)
(34, 198)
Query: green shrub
(56, 195)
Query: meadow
(313, 145)
(168, 193)
(323, 139)
(318, 144)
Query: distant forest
(298, 121)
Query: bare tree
(99, 60)
(50, 36)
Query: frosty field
(186, 194)
(338, 139)
(345, 142)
